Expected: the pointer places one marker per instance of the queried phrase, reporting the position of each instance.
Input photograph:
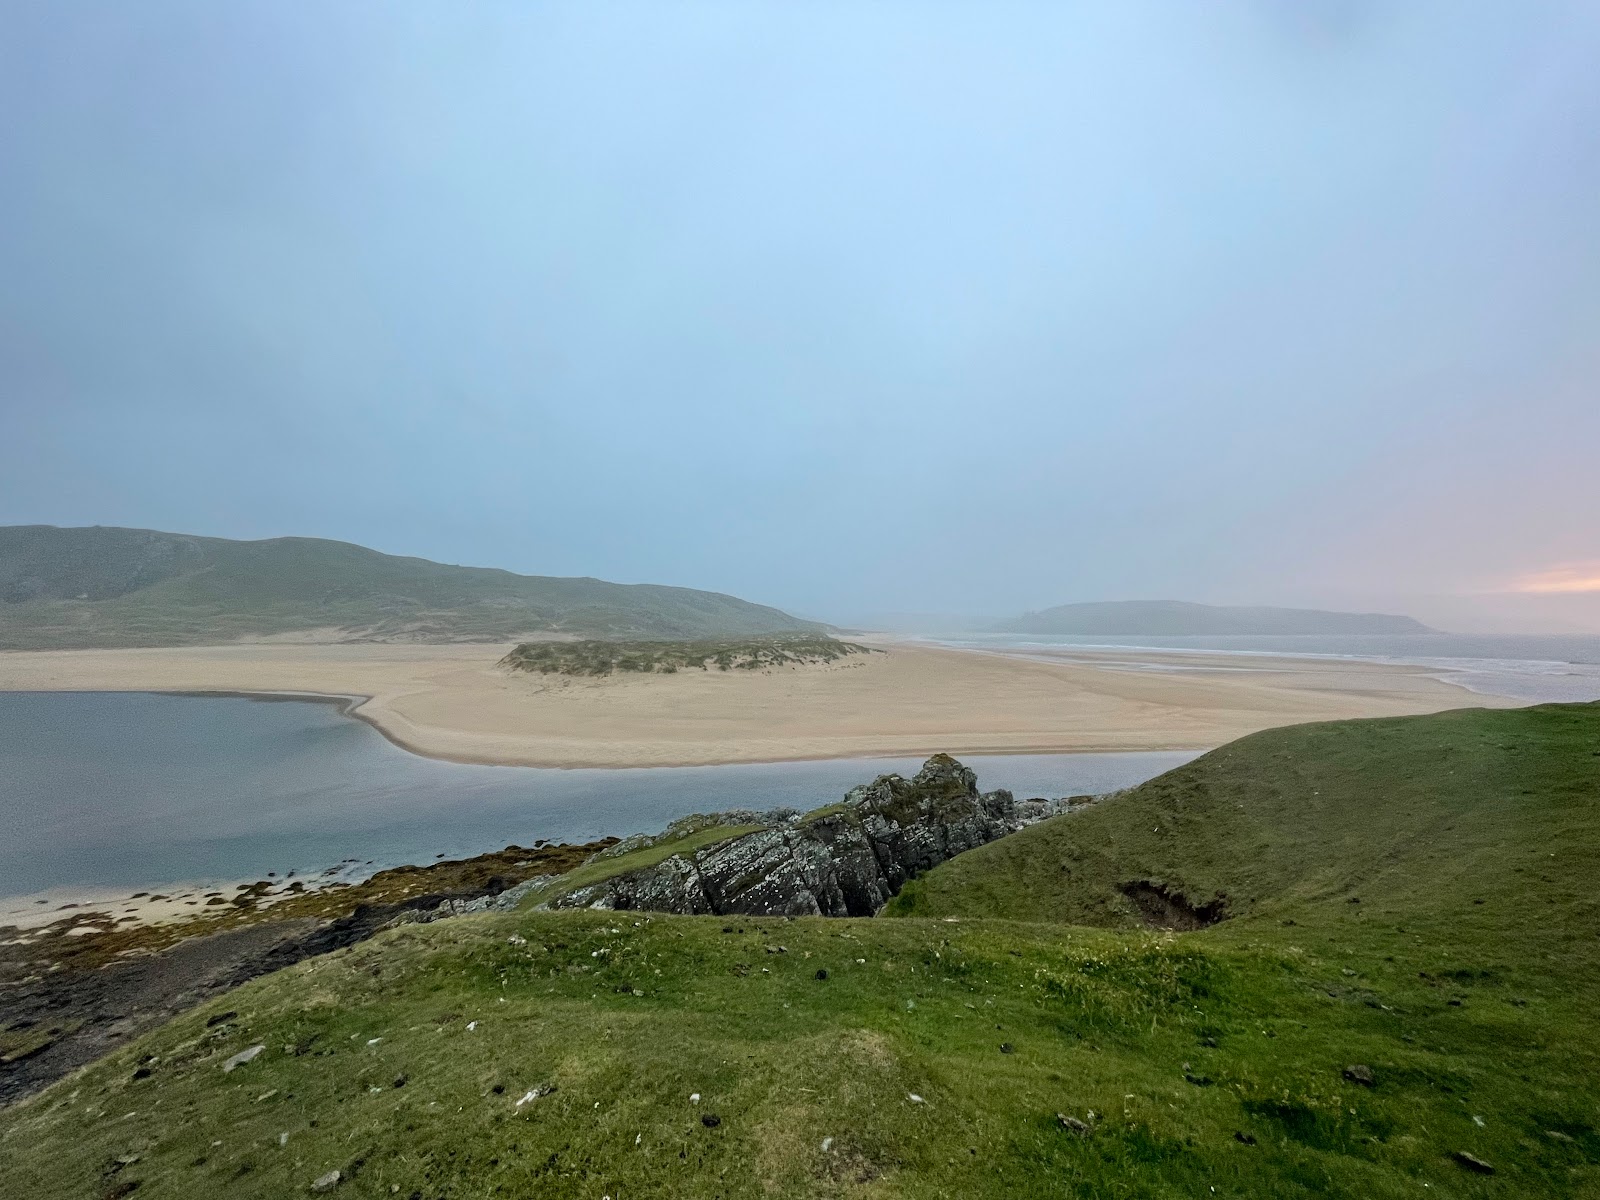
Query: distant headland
(1176, 618)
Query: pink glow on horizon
(1568, 577)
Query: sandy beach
(454, 702)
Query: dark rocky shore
(847, 861)
(66, 998)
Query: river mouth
(101, 791)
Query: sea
(1534, 668)
(131, 789)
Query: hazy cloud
(845, 308)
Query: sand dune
(454, 702)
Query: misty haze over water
(1538, 668)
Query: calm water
(1530, 667)
(132, 789)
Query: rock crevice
(845, 861)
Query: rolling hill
(102, 586)
(1176, 618)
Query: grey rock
(244, 1056)
(1359, 1073)
(847, 861)
(326, 1183)
(1472, 1163)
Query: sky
(852, 309)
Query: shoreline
(353, 711)
(454, 703)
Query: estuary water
(126, 789)
(1538, 668)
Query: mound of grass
(1358, 1026)
(598, 657)
(1474, 829)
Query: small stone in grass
(914, 1098)
(711, 1120)
(1472, 1162)
(1007, 1048)
(244, 1056)
(1359, 1073)
(326, 1183)
(1073, 1125)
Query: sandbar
(455, 702)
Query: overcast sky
(847, 308)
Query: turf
(1214, 1059)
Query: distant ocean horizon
(1539, 668)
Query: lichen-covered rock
(842, 862)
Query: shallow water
(1538, 668)
(130, 789)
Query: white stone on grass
(244, 1056)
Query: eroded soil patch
(1164, 907)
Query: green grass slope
(1472, 825)
(65, 588)
(938, 1055)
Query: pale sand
(453, 702)
(156, 905)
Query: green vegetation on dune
(68, 588)
(600, 657)
(1400, 1000)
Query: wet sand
(454, 702)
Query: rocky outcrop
(845, 861)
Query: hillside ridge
(106, 586)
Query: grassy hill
(1176, 618)
(1399, 1001)
(68, 588)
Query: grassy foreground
(961, 1052)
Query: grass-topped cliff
(69, 588)
(604, 657)
(1398, 1003)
